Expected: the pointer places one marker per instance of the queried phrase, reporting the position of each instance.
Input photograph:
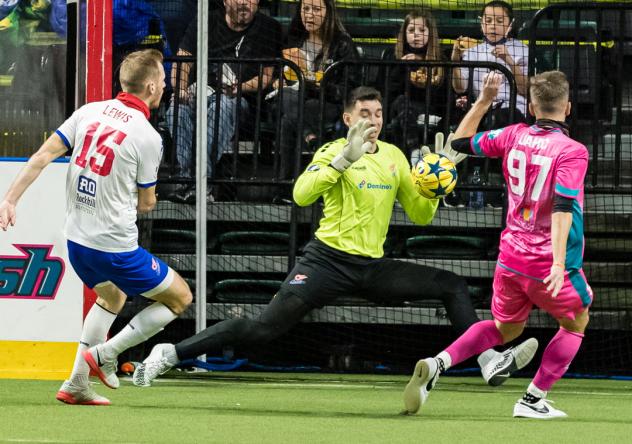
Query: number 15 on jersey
(101, 162)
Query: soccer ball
(434, 176)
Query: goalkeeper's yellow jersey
(358, 203)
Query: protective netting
(254, 233)
(275, 95)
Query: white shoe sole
(414, 395)
(524, 353)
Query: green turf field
(305, 408)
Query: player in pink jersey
(541, 249)
(111, 177)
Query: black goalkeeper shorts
(324, 274)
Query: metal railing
(595, 94)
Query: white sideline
(385, 385)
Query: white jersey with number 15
(115, 150)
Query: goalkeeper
(359, 179)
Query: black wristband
(562, 204)
(462, 145)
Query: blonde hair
(138, 68)
(549, 91)
(433, 50)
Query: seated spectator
(316, 39)
(496, 22)
(237, 31)
(417, 40)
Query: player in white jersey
(111, 177)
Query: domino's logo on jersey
(374, 186)
(33, 274)
(85, 196)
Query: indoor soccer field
(242, 98)
(307, 408)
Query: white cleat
(424, 378)
(154, 365)
(501, 366)
(539, 410)
(105, 370)
(76, 395)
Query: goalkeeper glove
(357, 145)
(445, 149)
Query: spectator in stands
(176, 16)
(239, 30)
(417, 40)
(316, 39)
(497, 20)
(359, 178)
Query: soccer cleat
(500, 367)
(538, 410)
(75, 395)
(154, 365)
(421, 382)
(105, 370)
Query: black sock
(529, 398)
(441, 365)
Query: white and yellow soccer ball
(434, 176)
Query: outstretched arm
(469, 124)
(49, 151)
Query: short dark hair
(361, 93)
(501, 4)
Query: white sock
(142, 327)
(446, 359)
(95, 330)
(533, 390)
(484, 358)
(171, 355)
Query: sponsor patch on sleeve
(313, 168)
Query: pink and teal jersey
(537, 164)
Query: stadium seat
(609, 146)
(175, 240)
(447, 246)
(610, 248)
(254, 242)
(246, 291)
(479, 294)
